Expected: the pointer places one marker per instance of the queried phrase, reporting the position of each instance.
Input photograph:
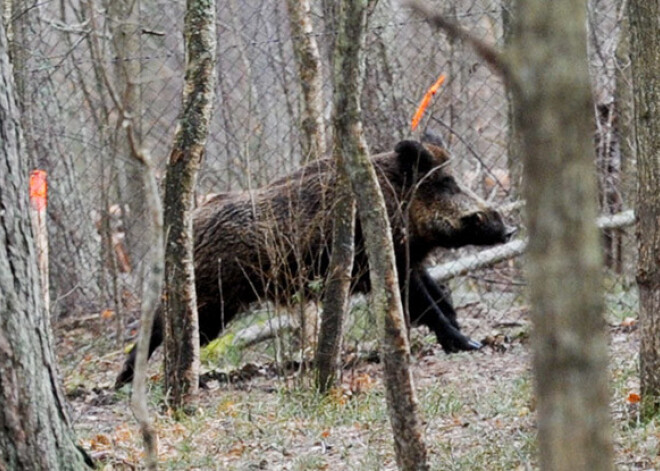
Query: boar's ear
(439, 152)
(414, 158)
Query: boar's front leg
(430, 304)
(441, 296)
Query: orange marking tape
(426, 100)
(38, 189)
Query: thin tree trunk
(644, 16)
(181, 325)
(150, 301)
(124, 21)
(386, 300)
(35, 432)
(564, 261)
(337, 287)
(312, 126)
(307, 56)
(126, 35)
(338, 281)
(624, 104)
(72, 255)
(514, 157)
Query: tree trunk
(644, 16)
(34, 429)
(338, 281)
(313, 146)
(564, 262)
(552, 112)
(514, 157)
(181, 325)
(126, 36)
(72, 256)
(625, 109)
(308, 60)
(386, 300)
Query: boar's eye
(448, 185)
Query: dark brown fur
(269, 244)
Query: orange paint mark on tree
(426, 100)
(38, 189)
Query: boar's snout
(510, 232)
(485, 227)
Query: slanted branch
(483, 259)
(489, 257)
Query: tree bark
(181, 323)
(564, 261)
(644, 16)
(308, 59)
(386, 300)
(552, 112)
(338, 280)
(72, 256)
(313, 146)
(514, 157)
(126, 36)
(35, 432)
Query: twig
(489, 53)
(150, 301)
(474, 153)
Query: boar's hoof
(474, 345)
(459, 343)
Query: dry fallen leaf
(227, 407)
(361, 383)
(237, 449)
(178, 430)
(339, 395)
(629, 322)
(100, 442)
(123, 434)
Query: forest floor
(478, 408)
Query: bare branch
(482, 259)
(150, 301)
(489, 257)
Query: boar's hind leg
(210, 326)
(424, 309)
(126, 374)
